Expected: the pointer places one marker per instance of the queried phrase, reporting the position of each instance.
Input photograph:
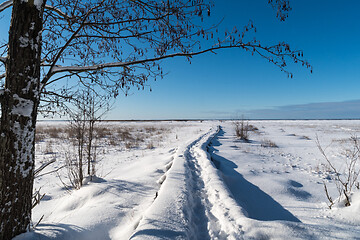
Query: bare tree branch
(257, 48)
(58, 11)
(5, 5)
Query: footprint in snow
(159, 171)
(294, 189)
(295, 184)
(173, 150)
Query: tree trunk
(90, 147)
(81, 141)
(18, 117)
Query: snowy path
(193, 202)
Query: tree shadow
(258, 204)
(98, 228)
(60, 231)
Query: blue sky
(233, 82)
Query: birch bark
(18, 117)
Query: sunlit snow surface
(192, 180)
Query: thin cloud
(325, 110)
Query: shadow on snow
(62, 232)
(257, 203)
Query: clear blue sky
(234, 83)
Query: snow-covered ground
(196, 180)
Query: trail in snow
(214, 220)
(200, 217)
(203, 204)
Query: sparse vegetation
(150, 145)
(268, 144)
(49, 147)
(242, 129)
(43, 132)
(346, 175)
(113, 141)
(74, 170)
(305, 137)
(53, 132)
(70, 137)
(129, 145)
(39, 137)
(102, 132)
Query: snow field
(129, 181)
(200, 182)
(281, 188)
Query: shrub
(268, 143)
(102, 132)
(124, 134)
(129, 145)
(53, 132)
(150, 145)
(49, 147)
(242, 129)
(39, 137)
(345, 178)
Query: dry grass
(124, 134)
(54, 132)
(43, 132)
(121, 137)
(150, 145)
(49, 147)
(113, 141)
(103, 132)
(268, 144)
(305, 137)
(40, 137)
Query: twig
(328, 196)
(44, 165)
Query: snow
(24, 135)
(22, 106)
(38, 4)
(24, 41)
(201, 182)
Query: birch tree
(56, 46)
(87, 110)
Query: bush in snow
(345, 175)
(242, 129)
(268, 143)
